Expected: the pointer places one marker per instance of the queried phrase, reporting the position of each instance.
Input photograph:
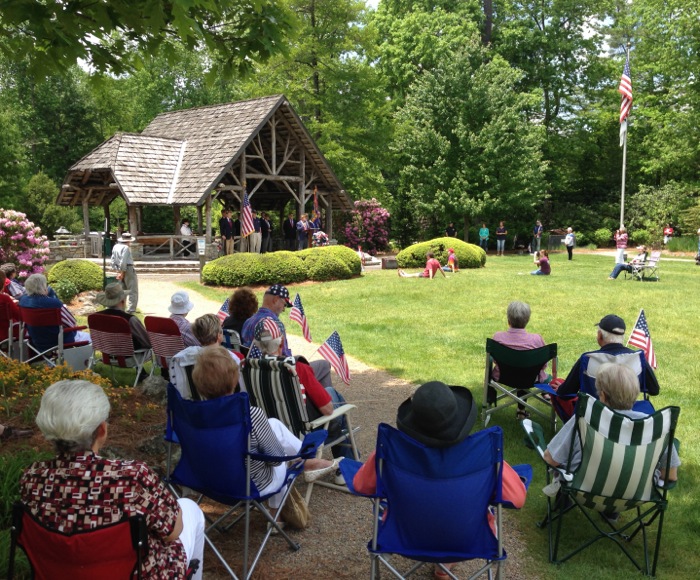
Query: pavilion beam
(199, 220)
(208, 214)
(272, 177)
(139, 219)
(133, 223)
(273, 160)
(86, 217)
(328, 218)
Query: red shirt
(314, 390)
(433, 265)
(14, 314)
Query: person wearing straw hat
(180, 305)
(440, 416)
(123, 263)
(114, 301)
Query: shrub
(642, 237)
(468, 255)
(65, 290)
(368, 226)
(322, 266)
(85, 275)
(602, 237)
(22, 244)
(253, 269)
(348, 256)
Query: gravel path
(334, 545)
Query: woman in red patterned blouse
(66, 494)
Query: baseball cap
(281, 291)
(613, 324)
(268, 329)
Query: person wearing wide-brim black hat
(439, 416)
(123, 262)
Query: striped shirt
(263, 440)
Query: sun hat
(437, 415)
(281, 291)
(180, 303)
(268, 329)
(113, 295)
(126, 237)
(613, 324)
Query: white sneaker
(339, 479)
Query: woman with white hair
(79, 490)
(180, 306)
(39, 295)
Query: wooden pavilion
(196, 157)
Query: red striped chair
(9, 331)
(44, 317)
(165, 338)
(111, 335)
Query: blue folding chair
(215, 461)
(431, 505)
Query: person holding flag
(247, 227)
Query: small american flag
(247, 226)
(254, 352)
(641, 338)
(223, 311)
(625, 89)
(297, 315)
(332, 351)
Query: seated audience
(79, 490)
(637, 261)
(517, 338)
(618, 388)
(114, 301)
(180, 306)
(242, 304)
(610, 336)
(440, 416)
(216, 375)
(269, 341)
(39, 295)
(14, 311)
(432, 267)
(12, 286)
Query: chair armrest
(325, 419)
(72, 328)
(349, 467)
(535, 436)
(309, 446)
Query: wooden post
(208, 214)
(329, 217)
(199, 220)
(139, 219)
(133, 223)
(86, 218)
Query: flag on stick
(247, 227)
(641, 338)
(223, 311)
(297, 315)
(332, 351)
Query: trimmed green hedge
(327, 263)
(85, 275)
(468, 255)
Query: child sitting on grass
(542, 260)
(452, 262)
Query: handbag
(295, 512)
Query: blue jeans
(538, 273)
(618, 268)
(339, 426)
(500, 245)
(484, 244)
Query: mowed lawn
(422, 330)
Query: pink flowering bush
(21, 243)
(368, 226)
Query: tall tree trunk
(488, 22)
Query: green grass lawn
(423, 330)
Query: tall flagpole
(625, 89)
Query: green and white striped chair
(618, 458)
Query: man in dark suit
(266, 231)
(290, 232)
(226, 231)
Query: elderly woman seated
(269, 341)
(39, 295)
(216, 375)
(79, 490)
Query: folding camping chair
(50, 317)
(181, 367)
(112, 552)
(111, 335)
(433, 504)
(650, 270)
(519, 370)
(215, 461)
(166, 340)
(232, 340)
(10, 341)
(273, 385)
(618, 458)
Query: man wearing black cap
(275, 300)
(611, 333)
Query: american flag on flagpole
(316, 212)
(298, 315)
(247, 227)
(223, 311)
(641, 338)
(625, 89)
(332, 351)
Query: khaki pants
(228, 246)
(131, 287)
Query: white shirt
(121, 257)
(185, 230)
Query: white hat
(180, 303)
(125, 238)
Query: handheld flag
(222, 314)
(297, 315)
(247, 227)
(641, 338)
(332, 351)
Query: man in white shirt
(186, 232)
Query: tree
(40, 200)
(464, 145)
(110, 35)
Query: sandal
(520, 415)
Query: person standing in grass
(537, 236)
(484, 237)
(501, 233)
(570, 242)
(432, 266)
(621, 239)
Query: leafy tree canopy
(109, 35)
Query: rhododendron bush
(368, 226)
(21, 243)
